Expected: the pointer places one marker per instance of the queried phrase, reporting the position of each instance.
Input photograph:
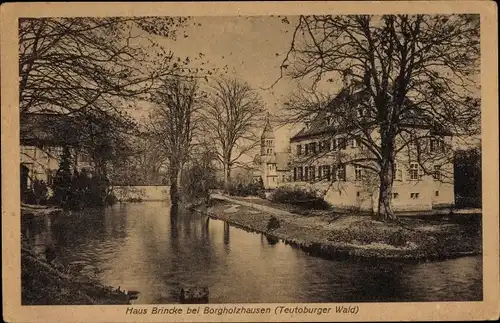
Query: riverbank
(51, 283)
(42, 283)
(333, 235)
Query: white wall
(145, 193)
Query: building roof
(46, 128)
(268, 132)
(319, 125)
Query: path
(256, 206)
(403, 213)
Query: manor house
(329, 159)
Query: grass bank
(334, 236)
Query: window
(412, 145)
(270, 167)
(312, 173)
(324, 146)
(358, 172)
(339, 143)
(341, 173)
(436, 193)
(306, 149)
(299, 173)
(295, 174)
(328, 121)
(313, 148)
(395, 195)
(306, 173)
(414, 195)
(342, 143)
(414, 171)
(51, 174)
(320, 173)
(437, 173)
(398, 173)
(437, 144)
(358, 194)
(326, 172)
(299, 150)
(355, 142)
(84, 157)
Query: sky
(253, 49)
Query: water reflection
(141, 247)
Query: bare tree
(233, 112)
(67, 65)
(173, 123)
(406, 79)
(92, 69)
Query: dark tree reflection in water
(141, 246)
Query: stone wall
(143, 193)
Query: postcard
(250, 161)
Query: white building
(43, 137)
(323, 155)
(273, 167)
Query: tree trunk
(175, 194)
(385, 211)
(227, 175)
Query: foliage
(200, 176)
(299, 197)
(273, 223)
(245, 189)
(468, 180)
(406, 78)
(39, 192)
(63, 179)
(76, 190)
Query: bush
(299, 197)
(273, 223)
(241, 189)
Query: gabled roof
(319, 126)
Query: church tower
(268, 156)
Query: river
(138, 247)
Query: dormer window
(437, 144)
